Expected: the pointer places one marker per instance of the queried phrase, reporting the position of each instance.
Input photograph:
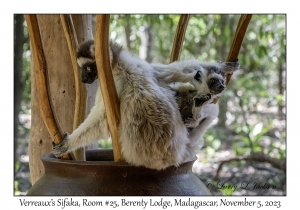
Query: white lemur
(196, 88)
(152, 133)
(195, 98)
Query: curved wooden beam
(179, 37)
(237, 43)
(237, 40)
(71, 37)
(80, 90)
(107, 84)
(40, 67)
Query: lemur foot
(59, 149)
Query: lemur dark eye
(88, 68)
(212, 81)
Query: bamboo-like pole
(107, 85)
(237, 43)
(179, 37)
(40, 66)
(237, 40)
(80, 98)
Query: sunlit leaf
(216, 144)
(257, 129)
(226, 191)
(257, 148)
(210, 151)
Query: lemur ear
(229, 67)
(82, 60)
(92, 50)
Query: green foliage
(26, 69)
(213, 140)
(17, 165)
(226, 188)
(249, 139)
(26, 75)
(136, 25)
(105, 144)
(16, 186)
(226, 191)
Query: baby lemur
(152, 132)
(196, 88)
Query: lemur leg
(94, 127)
(189, 71)
(199, 102)
(208, 113)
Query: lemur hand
(199, 101)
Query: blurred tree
(19, 80)
(147, 39)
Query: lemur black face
(89, 72)
(216, 85)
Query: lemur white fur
(152, 133)
(190, 88)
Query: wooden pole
(107, 85)
(80, 90)
(179, 37)
(41, 81)
(237, 43)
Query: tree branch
(257, 157)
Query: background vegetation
(252, 111)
